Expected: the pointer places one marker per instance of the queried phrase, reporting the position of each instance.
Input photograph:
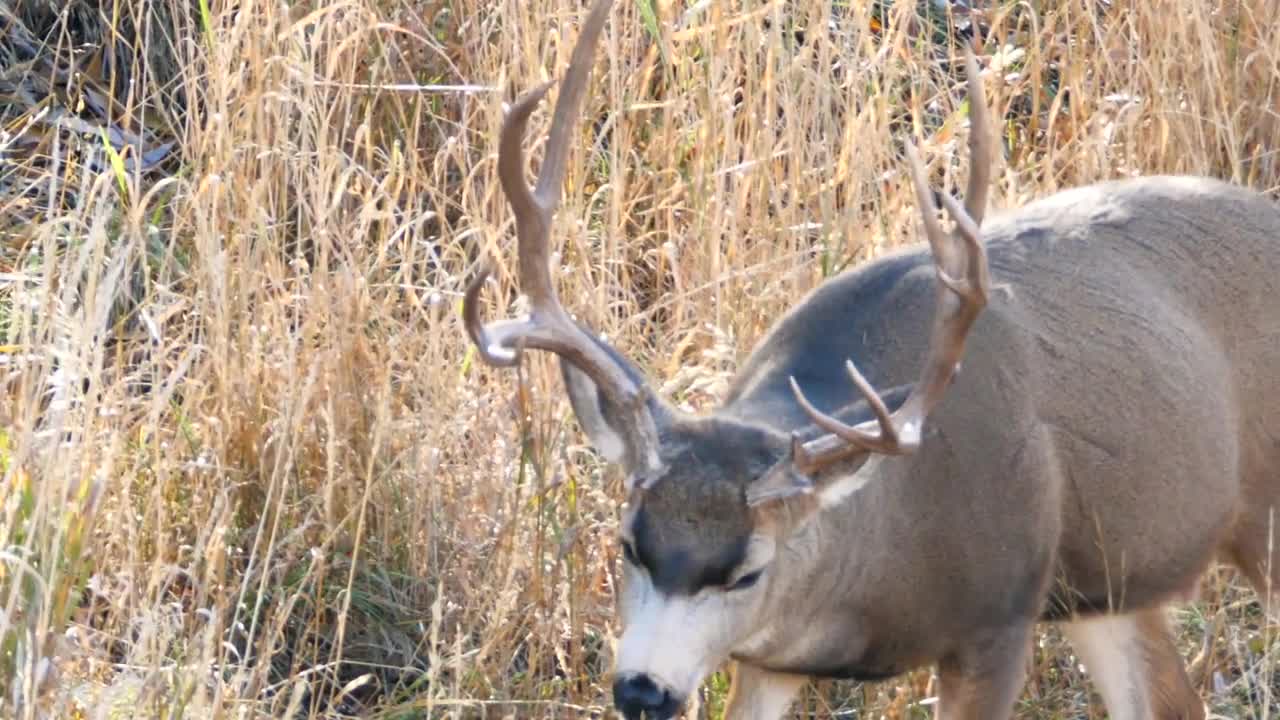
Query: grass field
(250, 465)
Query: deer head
(711, 498)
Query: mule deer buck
(1115, 429)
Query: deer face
(701, 540)
(696, 566)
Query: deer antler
(548, 327)
(963, 284)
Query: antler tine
(981, 141)
(534, 210)
(963, 285)
(492, 354)
(572, 90)
(533, 223)
(937, 237)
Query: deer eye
(745, 581)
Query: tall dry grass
(251, 468)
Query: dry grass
(250, 467)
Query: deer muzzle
(638, 695)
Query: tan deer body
(1115, 425)
(857, 508)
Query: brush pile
(82, 93)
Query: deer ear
(779, 483)
(781, 500)
(784, 499)
(589, 406)
(597, 415)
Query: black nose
(635, 695)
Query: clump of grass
(249, 465)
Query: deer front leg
(982, 682)
(1136, 666)
(757, 694)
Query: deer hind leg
(757, 694)
(982, 682)
(1135, 666)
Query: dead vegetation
(250, 468)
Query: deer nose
(637, 695)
